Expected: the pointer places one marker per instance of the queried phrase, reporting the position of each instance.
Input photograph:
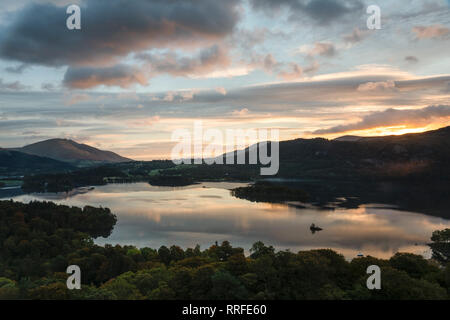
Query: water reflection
(204, 213)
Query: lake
(204, 213)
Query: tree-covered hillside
(14, 163)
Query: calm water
(201, 214)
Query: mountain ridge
(70, 151)
(348, 138)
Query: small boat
(314, 229)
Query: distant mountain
(348, 138)
(417, 155)
(14, 163)
(72, 152)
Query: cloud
(285, 70)
(48, 86)
(221, 90)
(89, 77)
(377, 86)
(109, 30)
(174, 96)
(19, 69)
(295, 72)
(207, 61)
(430, 32)
(247, 39)
(392, 117)
(309, 99)
(324, 49)
(269, 63)
(411, 59)
(76, 98)
(147, 122)
(240, 113)
(330, 93)
(11, 86)
(323, 12)
(356, 36)
(265, 62)
(312, 68)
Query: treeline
(170, 181)
(142, 169)
(263, 191)
(59, 182)
(39, 240)
(215, 172)
(94, 176)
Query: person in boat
(313, 228)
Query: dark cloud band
(113, 29)
(392, 117)
(321, 11)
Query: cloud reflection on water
(204, 213)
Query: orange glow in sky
(388, 131)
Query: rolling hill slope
(14, 163)
(72, 152)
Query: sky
(140, 69)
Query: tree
(176, 253)
(416, 266)
(259, 249)
(164, 255)
(398, 285)
(227, 287)
(123, 289)
(442, 236)
(237, 264)
(441, 245)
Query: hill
(419, 156)
(72, 152)
(14, 163)
(348, 138)
(411, 155)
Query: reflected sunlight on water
(201, 214)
